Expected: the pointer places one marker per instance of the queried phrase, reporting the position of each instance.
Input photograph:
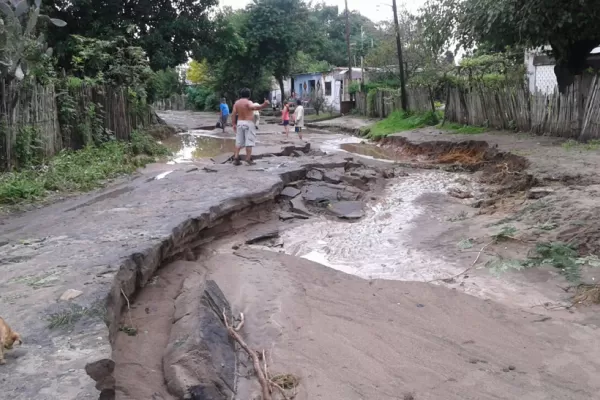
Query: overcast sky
(368, 8)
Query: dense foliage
(568, 27)
(167, 30)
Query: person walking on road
(224, 113)
(285, 118)
(243, 125)
(299, 119)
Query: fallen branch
(264, 383)
(468, 269)
(128, 307)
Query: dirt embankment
(539, 200)
(503, 171)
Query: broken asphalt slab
(347, 209)
(297, 206)
(107, 245)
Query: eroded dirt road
(371, 272)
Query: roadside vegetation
(462, 129)
(400, 121)
(571, 144)
(81, 170)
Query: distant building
(540, 69)
(182, 71)
(332, 84)
(276, 95)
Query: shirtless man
(243, 125)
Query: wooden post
(400, 60)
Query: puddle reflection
(191, 147)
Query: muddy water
(205, 144)
(189, 147)
(399, 239)
(369, 150)
(376, 247)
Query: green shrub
(82, 170)
(144, 144)
(354, 88)
(197, 96)
(211, 103)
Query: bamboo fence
(37, 109)
(574, 114)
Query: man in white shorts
(243, 125)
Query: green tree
(115, 62)
(568, 27)
(304, 62)
(275, 34)
(232, 64)
(167, 30)
(327, 34)
(198, 72)
(417, 54)
(163, 84)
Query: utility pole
(362, 58)
(346, 87)
(403, 98)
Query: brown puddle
(189, 147)
(369, 150)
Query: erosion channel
(353, 271)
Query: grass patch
(462, 129)
(575, 145)
(506, 233)
(559, 255)
(501, 265)
(562, 256)
(465, 244)
(399, 121)
(82, 170)
(46, 279)
(67, 318)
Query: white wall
(541, 78)
(276, 92)
(332, 100)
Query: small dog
(8, 337)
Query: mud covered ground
(412, 268)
